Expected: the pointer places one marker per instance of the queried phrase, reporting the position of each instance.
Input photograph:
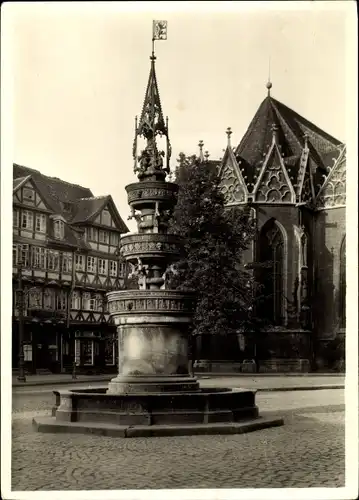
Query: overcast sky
(80, 72)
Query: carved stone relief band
(130, 302)
(139, 244)
(148, 191)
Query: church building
(292, 175)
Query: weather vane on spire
(159, 32)
(151, 124)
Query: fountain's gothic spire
(150, 163)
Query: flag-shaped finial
(159, 30)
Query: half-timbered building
(65, 259)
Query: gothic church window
(342, 285)
(271, 273)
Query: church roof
(291, 131)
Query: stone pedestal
(153, 329)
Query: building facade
(293, 176)
(65, 259)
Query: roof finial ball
(269, 86)
(229, 133)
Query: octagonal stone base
(50, 424)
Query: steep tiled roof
(291, 128)
(87, 208)
(75, 203)
(54, 190)
(16, 183)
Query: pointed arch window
(342, 285)
(271, 273)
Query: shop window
(87, 352)
(27, 352)
(110, 352)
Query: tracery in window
(271, 273)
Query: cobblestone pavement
(308, 451)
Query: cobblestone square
(308, 451)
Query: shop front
(93, 349)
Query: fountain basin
(206, 411)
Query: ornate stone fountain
(153, 393)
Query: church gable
(273, 185)
(306, 194)
(232, 185)
(305, 187)
(333, 192)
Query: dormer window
(59, 229)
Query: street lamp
(20, 294)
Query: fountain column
(153, 322)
